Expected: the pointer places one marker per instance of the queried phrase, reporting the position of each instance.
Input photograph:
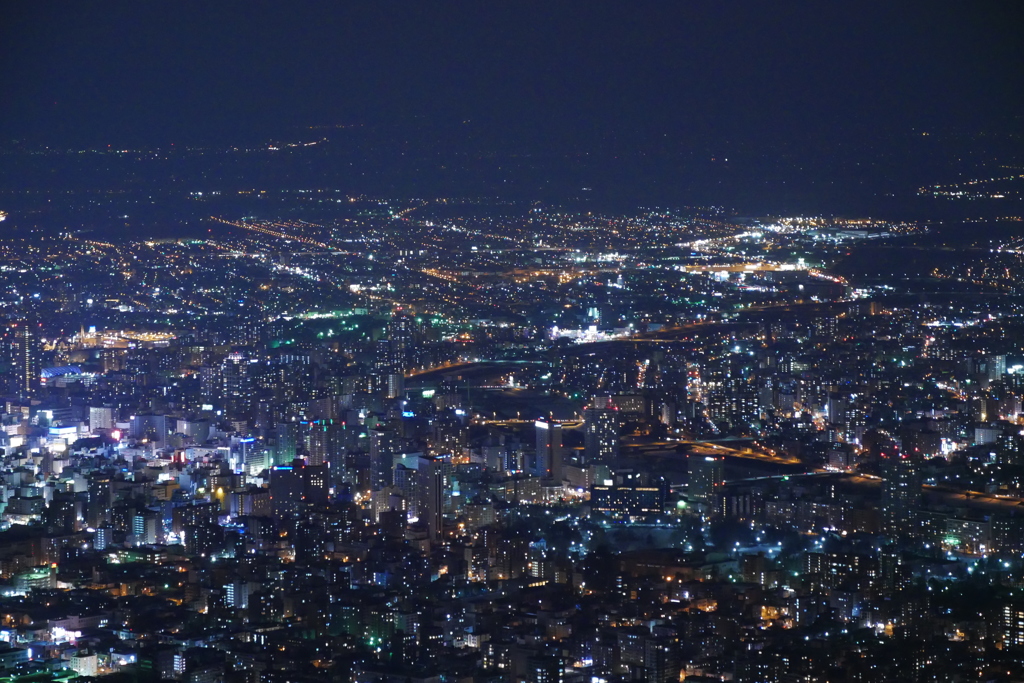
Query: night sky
(529, 73)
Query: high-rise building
(152, 428)
(211, 383)
(197, 429)
(23, 350)
(315, 484)
(430, 486)
(391, 357)
(399, 333)
(995, 366)
(294, 487)
(893, 568)
(901, 489)
(254, 457)
(101, 417)
(146, 528)
(65, 513)
(707, 474)
(381, 365)
(326, 441)
(287, 438)
(394, 385)
(450, 433)
(103, 537)
(384, 447)
(1009, 625)
(101, 497)
(730, 391)
(549, 463)
(601, 433)
(286, 491)
(661, 660)
(236, 593)
(236, 385)
(289, 375)
(406, 481)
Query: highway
(468, 366)
(704, 447)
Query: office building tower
(286, 491)
(101, 497)
(287, 441)
(254, 457)
(384, 447)
(23, 350)
(406, 481)
(151, 428)
(430, 486)
(549, 463)
(315, 484)
(101, 417)
(296, 486)
(707, 474)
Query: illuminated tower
(237, 385)
(384, 447)
(23, 346)
(326, 441)
(901, 490)
(381, 364)
(549, 463)
(392, 357)
(287, 436)
(399, 332)
(601, 433)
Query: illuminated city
(521, 399)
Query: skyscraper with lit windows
(707, 474)
(601, 433)
(549, 462)
(901, 489)
(23, 350)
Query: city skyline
(511, 343)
